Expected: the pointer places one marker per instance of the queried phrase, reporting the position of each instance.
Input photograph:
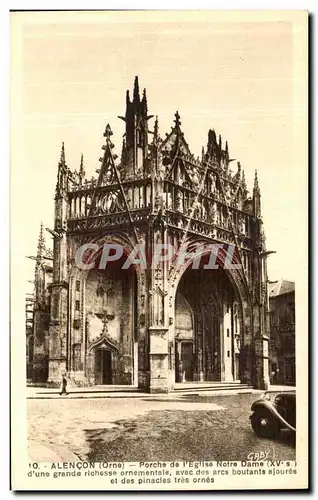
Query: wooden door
(107, 367)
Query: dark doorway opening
(103, 367)
(187, 360)
(184, 361)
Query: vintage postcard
(159, 328)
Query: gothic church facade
(166, 324)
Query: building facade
(29, 314)
(170, 320)
(38, 314)
(282, 333)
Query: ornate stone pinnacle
(144, 100)
(177, 119)
(82, 164)
(256, 186)
(41, 242)
(62, 158)
(156, 128)
(108, 132)
(136, 90)
(81, 170)
(244, 180)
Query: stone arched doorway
(207, 327)
(104, 361)
(103, 345)
(103, 366)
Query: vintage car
(269, 417)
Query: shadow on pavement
(169, 434)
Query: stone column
(178, 362)
(246, 355)
(159, 377)
(58, 334)
(200, 365)
(227, 344)
(142, 322)
(261, 340)
(160, 380)
(58, 344)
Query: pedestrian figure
(63, 385)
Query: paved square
(147, 428)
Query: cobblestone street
(147, 428)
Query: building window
(78, 286)
(228, 332)
(228, 354)
(77, 305)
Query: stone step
(213, 386)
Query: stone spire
(127, 98)
(244, 185)
(136, 133)
(136, 98)
(177, 122)
(144, 102)
(177, 119)
(61, 184)
(156, 137)
(212, 136)
(39, 275)
(81, 173)
(156, 127)
(239, 169)
(123, 153)
(156, 132)
(62, 158)
(212, 148)
(256, 189)
(41, 243)
(256, 197)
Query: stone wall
(109, 323)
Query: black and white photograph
(159, 178)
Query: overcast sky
(245, 77)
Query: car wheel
(263, 425)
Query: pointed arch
(103, 342)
